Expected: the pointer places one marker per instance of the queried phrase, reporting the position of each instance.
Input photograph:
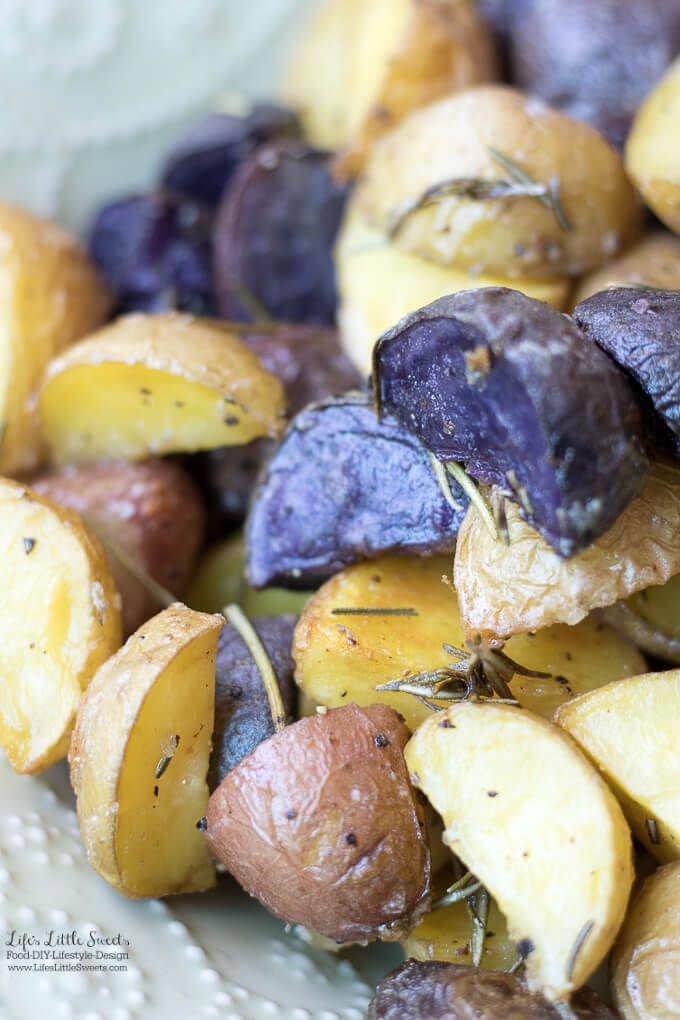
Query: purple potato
(155, 252)
(273, 237)
(312, 366)
(452, 991)
(514, 390)
(242, 715)
(595, 59)
(344, 487)
(640, 329)
(204, 160)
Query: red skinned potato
(320, 824)
(151, 509)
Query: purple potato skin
(155, 252)
(595, 60)
(452, 991)
(242, 714)
(341, 488)
(512, 388)
(312, 366)
(640, 330)
(274, 234)
(204, 160)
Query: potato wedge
(150, 384)
(379, 284)
(60, 620)
(532, 819)
(50, 295)
(524, 586)
(341, 658)
(360, 68)
(460, 138)
(646, 961)
(139, 757)
(655, 260)
(445, 935)
(629, 730)
(651, 155)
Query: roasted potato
(445, 991)
(652, 157)
(242, 714)
(522, 808)
(654, 260)
(524, 585)
(50, 294)
(150, 384)
(646, 962)
(594, 59)
(379, 283)
(515, 392)
(629, 730)
(433, 185)
(320, 824)
(445, 934)
(139, 757)
(659, 606)
(341, 657)
(60, 620)
(150, 510)
(360, 68)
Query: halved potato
(445, 935)
(343, 657)
(379, 284)
(524, 586)
(60, 619)
(50, 295)
(532, 819)
(629, 729)
(646, 961)
(155, 384)
(139, 757)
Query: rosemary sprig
(478, 189)
(576, 949)
(478, 908)
(466, 886)
(240, 622)
(443, 482)
(164, 597)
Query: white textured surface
(94, 91)
(218, 954)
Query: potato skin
(450, 991)
(511, 237)
(320, 824)
(151, 508)
(646, 962)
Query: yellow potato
(660, 606)
(646, 962)
(60, 619)
(513, 235)
(379, 283)
(139, 757)
(361, 67)
(654, 260)
(219, 580)
(524, 586)
(150, 384)
(629, 729)
(343, 658)
(50, 295)
(445, 935)
(652, 156)
(532, 819)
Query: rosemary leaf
(469, 486)
(576, 949)
(111, 545)
(639, 285)
(443, 482)
(478, 908)
(240, 622)
(374, 611)
(550, 195)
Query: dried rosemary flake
(374, 611)
(653, 831)
(240, 622)
(578, 945)
(29, 545)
